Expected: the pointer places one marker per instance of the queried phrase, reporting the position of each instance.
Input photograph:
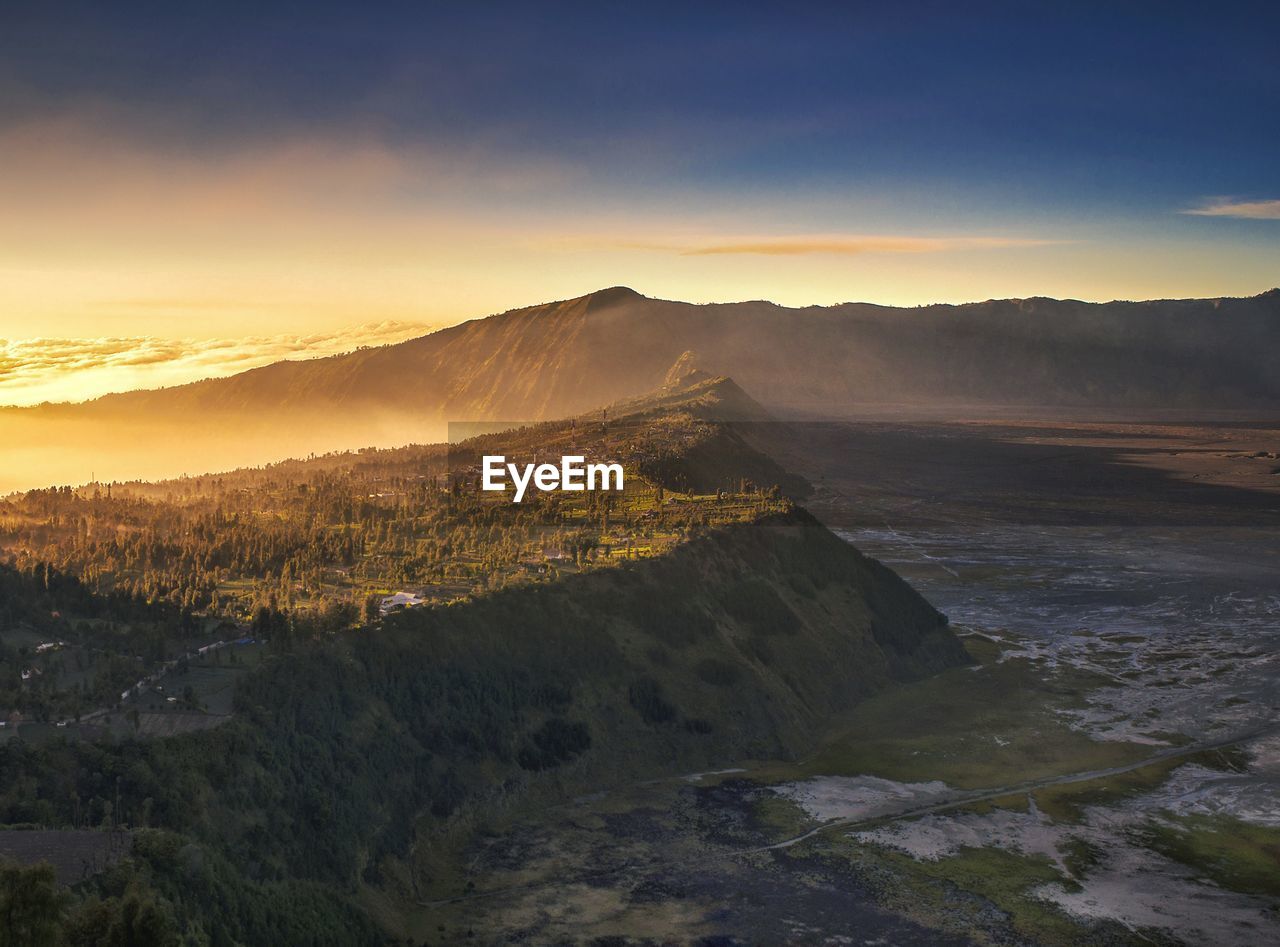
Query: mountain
(351, 764)
(224, 540)
(563, 358)
(559, 358)
(689, 632)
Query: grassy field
(996, 723)
(1238, 855)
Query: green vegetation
(171, 892)
(1067, 802)
(65, 649)
(1242, 856)
(109, 584)
(321, 546)
(567, 643)
(1080, 856)
(972, 727)
(321, 540)
(348, 755)
(778, 818)
(985, 894)
(30, 905)
(343, 753)
(1007, 880)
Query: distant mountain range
(557, 359)
(563, 358)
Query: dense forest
(347, 757)
(330, 532)
(552, 646)
(132, 578)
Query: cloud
(36, 370)
(1247, 210)
(844, 245)
(73, 180)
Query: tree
(31, 905)
(136, 919)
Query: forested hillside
(320, 539)
(348, 755)
(569, 642)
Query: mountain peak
(685, 371)
(706, 396)
(610, 297)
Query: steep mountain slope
(348, 758)
(351, 757)
(555, 359)
(560, 359)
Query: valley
(549, 648)
(620, 475)
(686, 710)
(1106, 773)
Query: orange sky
(246, 176)
(107, 238)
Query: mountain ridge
(561, 359)
(561, 324)
(599, 302)
(676, 638)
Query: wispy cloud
(36, 370)
(844, 245)
(1247, 210)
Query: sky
(181, 179)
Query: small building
(399, 601)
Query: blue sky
(1150, 104)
